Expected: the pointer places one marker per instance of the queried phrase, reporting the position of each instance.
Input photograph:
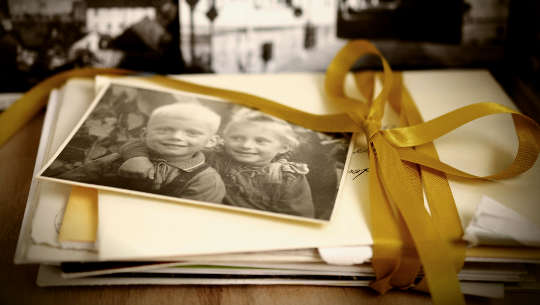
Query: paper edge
(44, 141)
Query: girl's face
(253, 143)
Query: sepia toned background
(43, 37)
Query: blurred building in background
(113, 21)
(485, 22)
(46, 37)
(231, 36)
(41, 37)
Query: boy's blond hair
(280, 127)
(189, 110)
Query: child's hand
(137, 167)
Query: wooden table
(18, 286)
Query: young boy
(174, 137)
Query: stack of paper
(137, 238)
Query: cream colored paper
(131, 227)
(481, 147)
(49, 276)
(50, 198)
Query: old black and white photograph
(187, 147)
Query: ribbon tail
(386, 237)
(406, 275)
(443, 211)
(394, 253)
(438, 267)
(438, 193)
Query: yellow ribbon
(26, 107)
(398, 214)
(403, 162)
(441, 203)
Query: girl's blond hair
(280, 127)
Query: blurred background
(41, 37)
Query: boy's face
(253, 143)
(177, 137)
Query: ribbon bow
(403, 165)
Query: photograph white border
(106, 84)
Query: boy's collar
(190, 164)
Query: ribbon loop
(335, 80)
(423, 133)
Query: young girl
(252, 166)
